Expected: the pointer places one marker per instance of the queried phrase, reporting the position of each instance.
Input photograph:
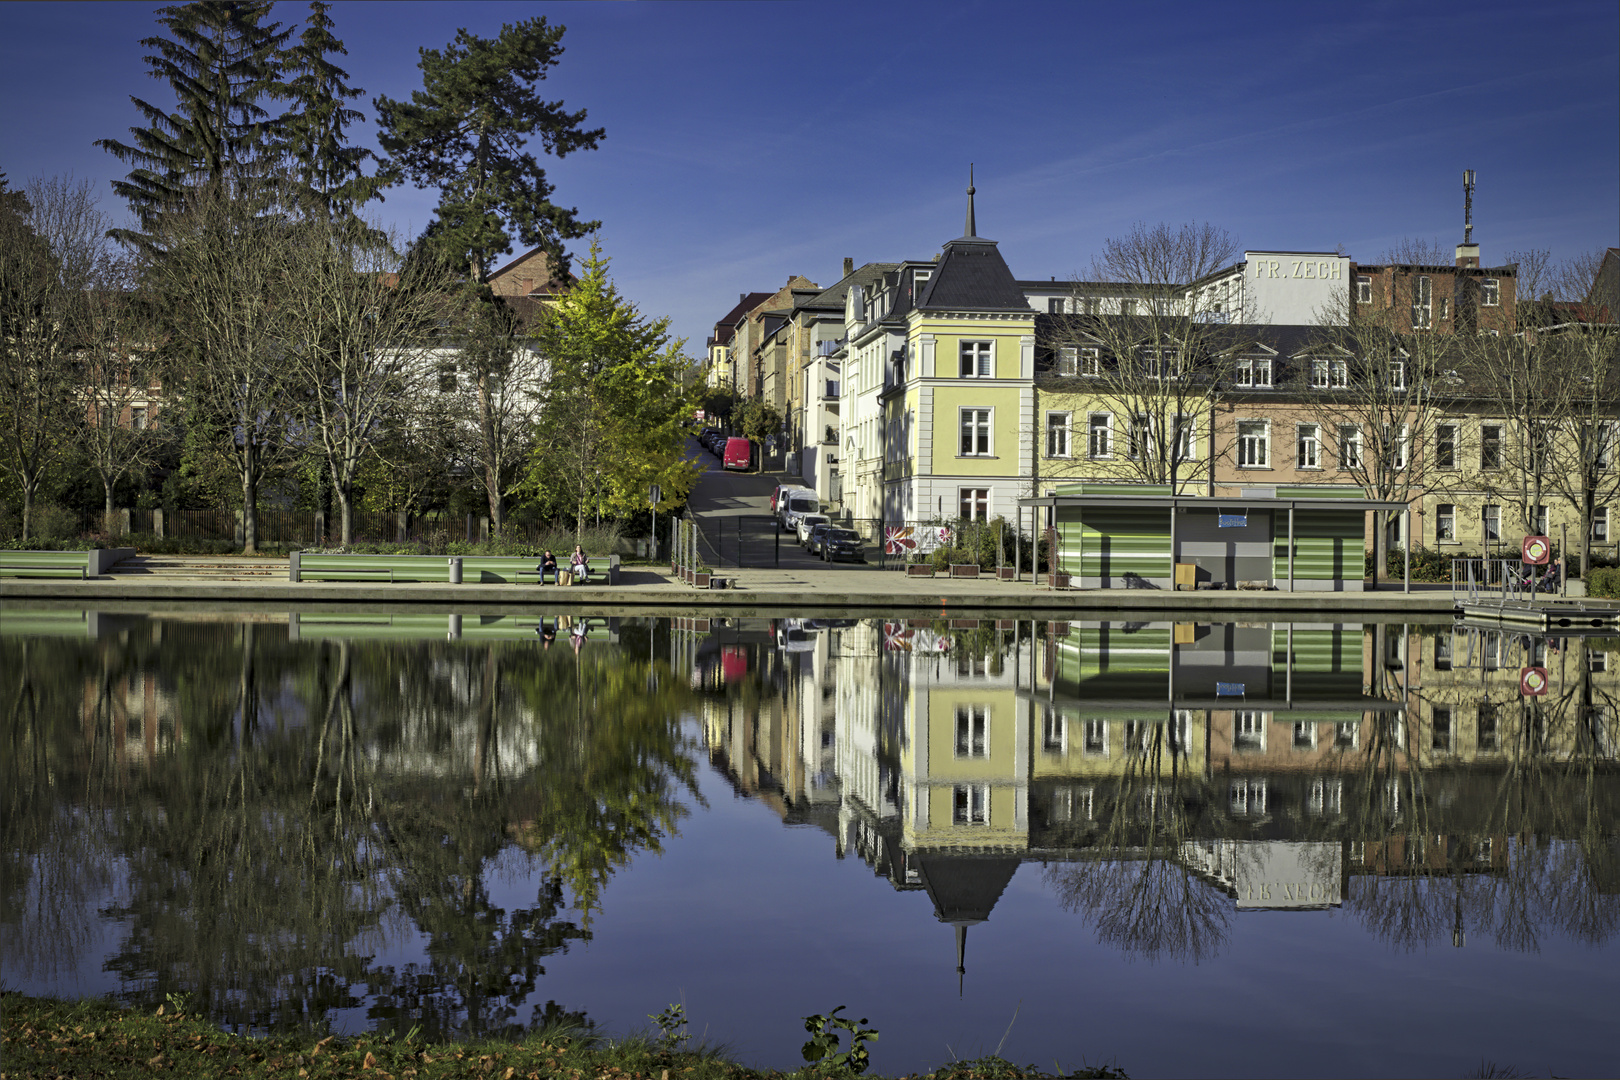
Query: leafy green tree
(613, 405)
(756, 419)
(464, 133)
(222, 61)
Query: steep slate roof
(965, 887)
(972, 276)
(833, 296)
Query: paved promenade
(168, 582)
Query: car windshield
(841, 534)
(803, 505)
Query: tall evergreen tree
(464, 133)
(329, 170)
(222, 58)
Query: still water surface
(1229, 849)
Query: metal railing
(1486, 580)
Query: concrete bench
(455, 569)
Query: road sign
(1537, 550)
(1532, 681)
(655, 495)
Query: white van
(795, 504)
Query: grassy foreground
(42, 1037)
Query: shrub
(1603, 581)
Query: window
(971, 804)
(1254, 371)
(1127, 306)
(1100, 435)
(1184, 444)
(1600, 524)
(1090, 362)
(1442, 651)
(1490, 292)
(975, 433)
(1310, 446)
(1329, 374)
(1422, 303)
(1538, 517)
(1397, 375)
(1349, 446)
(1095, 737)
(1485, 728)
(1304, 735)
(1160, 363)
(137, 418)
(1069, 360)
(1445, 446)
(1253, 435)
(1327, 796)
(971, 721)
(1440, 737)
(1490, 446)
(1491, 520)
(1056, 305)
(974, 504)
(1363, 289)
(1597, 660)
(1319, 374)
(1445, 522)
(1603, 443)
(1057, 434)
(919, 281)
(1141, 438)
(1248, 797)
(1393, 445)
(1346, 735)
(1054, 733)
(977, 358)
(1248, 730)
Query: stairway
(213, 567)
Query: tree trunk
(345, 513)
(107, 503)
(28, 507)
(250, 513)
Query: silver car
(806, 523)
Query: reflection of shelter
(1142, 536)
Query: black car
(838, 544)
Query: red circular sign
(1537, 550)
(1532, 681)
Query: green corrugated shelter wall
(1114, 541)
(1114, 662)
(1327, 662)
(1328, 545)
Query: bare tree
(359, 338)
(53, 256)
(1373, 396)
(1141, 335)
(501, 373)
(221, 286)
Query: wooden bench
(48, 564)
(489, 569)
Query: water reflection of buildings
(1275, 762)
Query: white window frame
(1139, 437)
(1100, 436)
(979, 355)
(1068, 360)
(1363, 289)
(1308, 442)
(1600, 524)
(1396, 442)
(1054, 733)
(1249, 730)
(975, 432)
(970, 804)
(1254, 444)
(1060, 434)
(1090, 362)
(1541, 519)
(1490, 292)
(1350, 446)
(1094, 737)
(973, 504)
(972, 731)
(1494, 442)
(1254, 372)
(1445, 522)
(1397, 374)
(1184, 438)
(1490, 522)
(1422, 302)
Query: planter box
(919, 570)
(964, 570)
(1007, 573)
(700, 580)
(1059, 581)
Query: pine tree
(222, 59)
(464, 133)
(329, 170)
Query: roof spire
(972, 226)
(961, 955)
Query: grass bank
(43, 1037)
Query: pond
(1253, 848)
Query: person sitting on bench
(580, 565)
(548, 565)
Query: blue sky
(747, 142)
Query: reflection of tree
(313, 802)
(1134, 884)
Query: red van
(739, 454)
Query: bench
(439, 569)
(48, 564)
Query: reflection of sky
(752, 926)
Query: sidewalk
(225, 582)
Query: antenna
(1468, 206)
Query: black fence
(744, 540)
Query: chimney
(849, 266)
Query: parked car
(739, 454)
(800, 503)
(812, 542)
(782, 490)
(805, 523)
(839, 543)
